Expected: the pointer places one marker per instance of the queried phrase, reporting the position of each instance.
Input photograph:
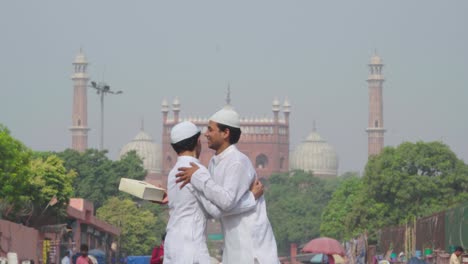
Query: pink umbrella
(324, 245)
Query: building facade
(264, 140)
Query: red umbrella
(324, 245)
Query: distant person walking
(84, 258)
(158, 252)
(66, 258)
(455, 258)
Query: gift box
(141, 189)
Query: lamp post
(102, 89)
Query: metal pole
(102, 89)
(101, 144)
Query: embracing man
(185, 241)
(248, 236)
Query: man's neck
(222, 148)
(188, 153)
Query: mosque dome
(149, 151)
(315, 155)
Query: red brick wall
(20, 239)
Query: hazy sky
(313, 52)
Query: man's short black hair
(459, 249)
(84, 247)
(234, 133)
(187, 144)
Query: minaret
(276, 108)
(79, 128)
(286, 110)
(228, 94)
(164, 110)
(375, 129)
(176, 109)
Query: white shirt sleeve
(243, 206)
(226, 197)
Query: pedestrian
(66, 258)
(157, 256)
(248, 237)
(84, 258)
(455, 258)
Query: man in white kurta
(248, 237)
(185, 240)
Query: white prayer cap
(226, 116)
(182, 131)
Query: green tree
(334, 217)
(401, 183)
(50, 181)
(98, 176)
(137, 225)
(14, 173)
(29, 181)
(162, 215)
(295, 204)
(350, 212)
(415, 179)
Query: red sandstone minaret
(375, 129)
(79, 128)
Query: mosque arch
(261, 161)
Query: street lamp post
(102, 89)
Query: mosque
(264, 140)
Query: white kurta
(248, 236)
(185, 241)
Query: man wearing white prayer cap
(248, 237)
(185, 240)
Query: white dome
(149, 151)
(315, 155)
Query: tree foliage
(416, 179)
(411, 180)
(14, 173)
(350, 212)
(29, 181)
(295, 203)
(98, 177)
(139, 227)
(50, 181)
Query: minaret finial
(142, 125)
(314, 127)
(228, 96)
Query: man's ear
(227, 133)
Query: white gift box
(141, 189)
